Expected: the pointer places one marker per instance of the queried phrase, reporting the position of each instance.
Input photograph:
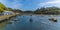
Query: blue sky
(30, 4)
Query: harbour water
(38, 23)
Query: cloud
(50, 3)
(16, 4)
(16, 0)
(12, 3)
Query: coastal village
(6, 13)
(29, 14)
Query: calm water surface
(39, 23)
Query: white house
(7, 12)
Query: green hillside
(48, 10)
(2, 7)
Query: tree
(48, 10)
(2, 7)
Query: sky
(30, 4)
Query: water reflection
(38, 23)
(2, 25)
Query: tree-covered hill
(2, 7)
(48, 10)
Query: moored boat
(53, 19)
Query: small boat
(10, 22)
(53, 19)
(15, 19)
